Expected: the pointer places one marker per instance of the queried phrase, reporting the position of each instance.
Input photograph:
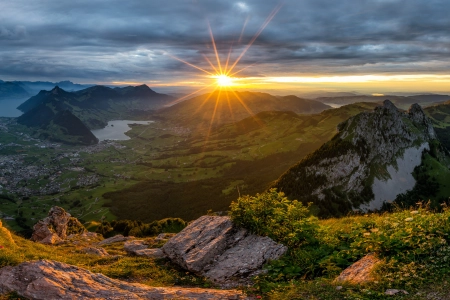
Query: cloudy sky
(371, 46)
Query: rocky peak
(417, 115)
(56, 226)
(56, 90)
(368, 162)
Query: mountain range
(399, 101)
(213, 109)
(97, 105)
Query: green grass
(16, 250)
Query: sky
(366, 46)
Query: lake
(115, 130)
(8, 108)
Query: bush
(272, 214)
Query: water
(8, 108)
(115, 130)
(334, 105)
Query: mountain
(318, 94)
(228, 107)
(440, 116)
(97, 105)
(430, 98)
(399, 101)
(11, 90)
(33, 87)
(58, 125)
(376, 157)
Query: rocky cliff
(370, 161)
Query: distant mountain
(59, 126)
(11, 90)
(430, 98)
(228, 107)
(318, 94)
(376, 158)
(33, 87)
(97, 105)
(400, 101)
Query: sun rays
(221, 74)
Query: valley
(165, 169)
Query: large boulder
(45, 279)
(214, 247)
(56, 226)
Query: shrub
(272, 214)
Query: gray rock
(45, 279)
(245, 259)
(114, 239)
(132, 246)
(392, 292)
(164, 236)
(212, 246)
(95, 251)
(155, 253)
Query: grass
(16, 250)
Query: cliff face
(372, 152)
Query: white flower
(408, 219)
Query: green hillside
(179, 173)
(228, 107)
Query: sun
(224, 80)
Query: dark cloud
(89, 41)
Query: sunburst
(222, 75)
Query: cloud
(116, 40)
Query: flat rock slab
(114, 239)
(212, 246)
(95, 251)
(46, 279)
(360, 272)
(135, 245)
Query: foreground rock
(56, 227)
(213, 247)
(361, 271)
(45, 279)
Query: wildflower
(374, 229)
(414, 212)
(408, 219)
(366, 233)
(1, 247)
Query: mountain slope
(370, 161)
(440, 116)
(97, 105)
(11, 90)
(228, 107)
(58, 125)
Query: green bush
(272, 214)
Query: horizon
(280, 48)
